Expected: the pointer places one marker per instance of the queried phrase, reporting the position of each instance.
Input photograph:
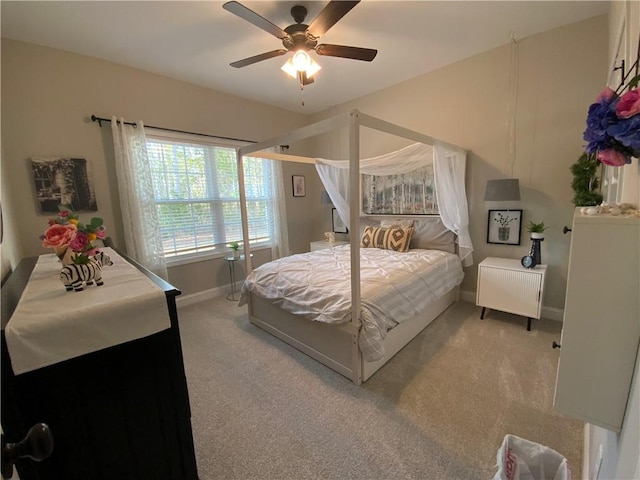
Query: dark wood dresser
(119, 413)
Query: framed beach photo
(299, 189)
(503, 227)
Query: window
(198, 198)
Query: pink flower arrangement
(629, 104)
(65, 232)
(613, 126)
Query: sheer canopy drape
(139, 215)
(280, 245)
(449, 168)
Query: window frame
(214, 253)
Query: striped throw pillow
(393, 238)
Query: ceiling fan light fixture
(312, 69)
(300, 62)
(289, 69)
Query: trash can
(520, 459)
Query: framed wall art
(63, 181)
(503, 227)
(338, 225)
(299, 189)
(412, 193)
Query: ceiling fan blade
(327, 18)
(355, 53)
(252, 17)
(258, 58)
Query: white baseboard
(550, 313)
(586, 452)
(468, 296)
(192, 298)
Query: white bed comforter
(394, 287)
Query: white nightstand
(321, 245)
(504, 284)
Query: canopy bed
(365, 303)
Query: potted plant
(235, 246)
(585, 183)
(536, 230)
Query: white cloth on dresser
(394, 287)
(50, 324)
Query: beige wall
(47, 97)
(560, 73)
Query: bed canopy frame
(353, 120)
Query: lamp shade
(300, 62)
(325, 199)
(503, 190)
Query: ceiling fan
(301, 38)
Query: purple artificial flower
(601, 115)
(613, 127)
(627, 132)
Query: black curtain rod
(100, 120)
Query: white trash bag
(520, 459)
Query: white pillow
(396, 222)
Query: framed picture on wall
(503, 227)
(338, 224)
(63, 181)
(299, 189)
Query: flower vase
(65, 255)
(503, 234)
(236, 254)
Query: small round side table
(231, 261)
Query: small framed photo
(299, 189)
(338, 224)
(503, 227)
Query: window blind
(198, 199)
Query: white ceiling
(196, 41)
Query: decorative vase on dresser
(601, 328)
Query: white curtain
(449, 170)
(139, 215)
(280, 246)
(449, 180)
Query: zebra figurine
(72, 276)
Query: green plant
(585, 182)
(235, 246)
(534, 227)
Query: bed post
(243, 212)
(354, 224)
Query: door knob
(556, 345)
(37, 445)
(566, 229)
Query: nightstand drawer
(504, 284)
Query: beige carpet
(438, 410)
